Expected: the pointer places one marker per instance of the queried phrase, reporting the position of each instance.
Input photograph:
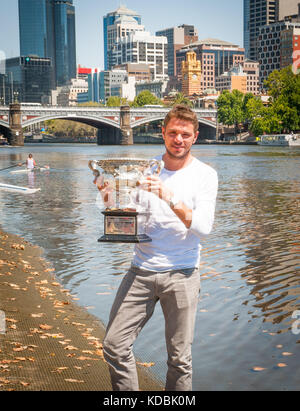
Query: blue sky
(222, 19)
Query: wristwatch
(173, 201)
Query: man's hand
(154, 185)
(106, 191)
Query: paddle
(16, 165)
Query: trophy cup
(120, 176)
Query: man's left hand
(154, 185)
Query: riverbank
(47, 341)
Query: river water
(247, 335)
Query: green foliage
(231, 108)
(282, 114)
(68, 128)
(115, 101)
(181, 99)
(90, 104)
(284, 88)
(146, 98)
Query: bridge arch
(143, 121)
(90, 120)
(4, 124)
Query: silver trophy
(124, 222)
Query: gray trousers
(178, 292)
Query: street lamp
(16, 93)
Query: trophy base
(121, 226)
(123, 238)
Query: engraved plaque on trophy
(123, 222)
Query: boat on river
(285, 140)
(30, 170)
(18, 189)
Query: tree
(284, 88)
(90, 104)
(146, 98)
(231, 108)
(181, 99)
(253, 108)
(282, 114)
(267, 122)
(116, 101)
(68, 128)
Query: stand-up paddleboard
(18, 189)
(30, 170)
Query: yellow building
(191, 75)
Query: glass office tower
(247, 27)
(65, 43)
(36, 27)
(47, 30)
(29, 80)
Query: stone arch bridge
(115, 124)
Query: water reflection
(250, 262)
(269, 227)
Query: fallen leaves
(63, 339)
(60, 369)
(38, 315)
(45, 327)
(73, 380)
(146, 364)
(18, 246)
(257, 369)
(70, 347)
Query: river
(247, 335)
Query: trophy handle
(92, 166)
(159, 165)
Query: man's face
(179, 136)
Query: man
(182, 202)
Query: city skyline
(227, 24)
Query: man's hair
(182, 112)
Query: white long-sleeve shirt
(173, 245)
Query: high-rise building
(258, 13)
(29, 80)
(272, 47)
(286, 8)
(177, 38)
(142, 47)
(121, 28)
(65, 43)
(216, 57)
(47, 30)
(110, 34)
(36, 28)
